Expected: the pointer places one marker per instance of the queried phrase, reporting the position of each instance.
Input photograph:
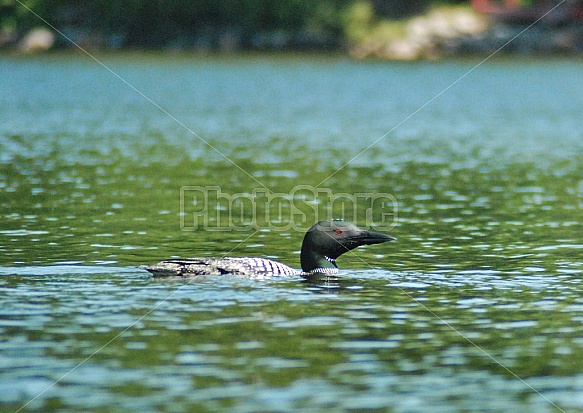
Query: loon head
(327, 240)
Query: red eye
(338, 232)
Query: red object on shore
(512, 11)
(489, 6)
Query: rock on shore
(423, 36)
(37, 40)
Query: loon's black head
(327, 240)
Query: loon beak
(364, 237)
(369, 238)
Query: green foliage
(143, 18)
(14, 16)
(361, 24)
(156, 22)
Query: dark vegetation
(199, 24)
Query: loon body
(323, 243)
(258, 267)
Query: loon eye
(338, 232)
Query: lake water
(477, 307)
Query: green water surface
(477, 307)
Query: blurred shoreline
(436, 33)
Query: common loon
(323, 243)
